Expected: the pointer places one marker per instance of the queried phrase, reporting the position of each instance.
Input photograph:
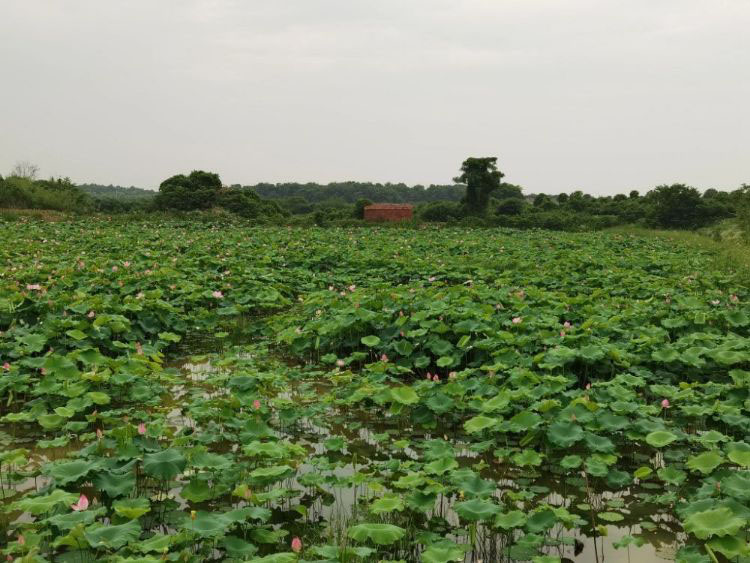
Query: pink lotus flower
(140, 295)
(99, 433)
(352, 287)
(126, 264)
(296, 544)
(562, 333)
(115, 268)
(139, 348)
(665, 404)
(218, 294)
(734, 299)
(21, 540)
(34, 286)
(6, 366)
(91, 314)
(256, 404)
(715, 302)
(567, 324)
(331, 288)
(588, 386)
(435, 378)
(142, 428)
(383, 358)
(432, 278)
(82, 504)
(340, 363)
(452, 375)
(517, 320)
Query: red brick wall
(386, 214)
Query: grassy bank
(729, 254)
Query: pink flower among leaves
(217, 294)
(435, 378)
(21, 540)
(115, 268)
(715, 302)
(352, 287)
(562, 333)
(6, 366)
(340, 363)
(428, 376)
(734, 299)
(256, 404)
(142, 428)
(517, 320)
(296, 544)
(383, 358)
(567, 324)
(91, 314)
(452, 375)
(665, 404)
(82, 504)
(34, 286)
(126, 264)
(99, 433)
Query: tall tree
(481, 177)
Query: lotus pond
(193, 392)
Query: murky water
(359, 426)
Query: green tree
(678, 207)
(198, 190)
(359, 208)
(481, 177)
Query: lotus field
(182, 391)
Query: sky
(599, 95)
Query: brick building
(389, 212)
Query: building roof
(389, 206)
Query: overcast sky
(599, 95)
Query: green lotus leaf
(571, 462)
(370, 341)
(705, 462)
(404, 395)
(45, 503)
(445, 552)
(132, 508)
(115, 484)
(540, 521)
(71, 471)
(113, 537)
(564, 434)
(610, 516)
(660, 438)
(440, 466)
(476, 509)
(524, 420)
(497, 403)
(166, 464)
(237, 547)
(510, 520)
(527, 458)
(386, 504)
(642, 472)
(98, 397)
(207, 524)
(381, 534)
(739, 453)
(50, 421)
(715, 522)
(596, 467)
(479, 423)
(671, 475)
(730, 547)
(286, 557)
(737, 485)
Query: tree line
(477, 197)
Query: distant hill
(99, 191)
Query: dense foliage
(409, 395)
(60, 194)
